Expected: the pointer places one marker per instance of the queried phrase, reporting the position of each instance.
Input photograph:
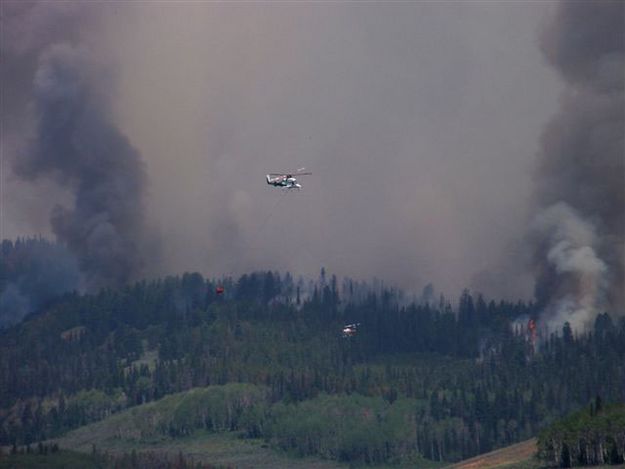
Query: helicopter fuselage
(287, 181)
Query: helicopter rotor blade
(290, 174)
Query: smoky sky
(420, 123)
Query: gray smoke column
(77, 145)
(578, 235)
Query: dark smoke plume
(578, 235)
(77, 145)
(57, 90)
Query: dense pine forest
(264, 355)
(589, 437)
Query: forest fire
(577, 234)
(531, 334)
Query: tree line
(473, 381)
(590, 437)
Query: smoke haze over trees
(126, 123)
(32, 273)
(453, 145)
(396, 110)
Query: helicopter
(286, 180)
(350, 330)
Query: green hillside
(221, 450)
(214, 425)
(266, 361)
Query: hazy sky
(420, 122)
